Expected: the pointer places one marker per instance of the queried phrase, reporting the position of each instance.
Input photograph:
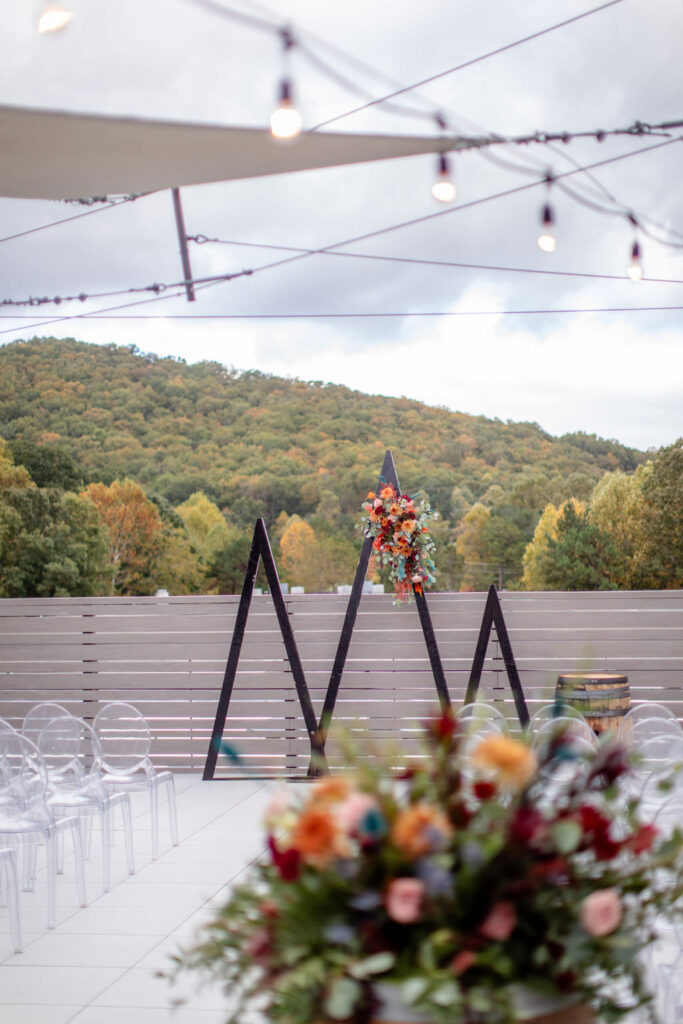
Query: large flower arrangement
(397, 524)
(472, 873)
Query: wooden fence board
(167, 656)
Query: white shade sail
(48, 154)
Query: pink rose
(462, 961)
(601, 912)
(500, 922)
(351, 812)
(404, 899)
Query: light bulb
(443, 188)
(285, 121)
(53, 18)
(635, 268)
(546, 239)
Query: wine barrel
(603, 698)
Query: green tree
(51, 545)
(205, 523)
(663, 490)
(477, 575)
(49, 465)
(621, 510)
(581, 556)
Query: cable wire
(468, 63)
(380, 231)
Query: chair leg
(173, 812)
(154, 807)
(105, 820)
(78, 858)
(51, 876)
(10, 872)
(128, 833)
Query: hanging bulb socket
(443, 188)
(54, 18)
(546, 239)
(635, 267)
(285, 121)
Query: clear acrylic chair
(10, 878)
(25, 820)
(576, 729)
(642, 712)
(551, 712)
(126, 741)
(73, 759)
(481, 716)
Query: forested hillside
(202, 441)
(257, 444)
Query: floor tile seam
(123, 880)
(126, 971)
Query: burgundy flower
(642, 840)
(286, 861)
(484, 790)
(527, 825)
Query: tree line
(123, 473)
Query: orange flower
(387, 492)
(331, 789)
(512, 763)
(371, 494)
(317, 838)
(420, 829)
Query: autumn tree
(134, 529)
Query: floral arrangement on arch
(397, 524)
(477, 874)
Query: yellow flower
(420, 829)
(512, 763)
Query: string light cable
(402, 314)
(325, 250)
(110, 205)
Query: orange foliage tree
(134, 527)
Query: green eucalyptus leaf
(566, 835)
(447, 994)
(341, 999)
(413, 989)
(377, 964)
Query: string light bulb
(635, 267)
(546, 239)
(443, 188)
(54, 18)
(285, 121)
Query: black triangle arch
(493, 616)
(260, 549)
(387, 475)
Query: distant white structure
(344, 588)
(162, 593)
(378, 588)
(297, 590)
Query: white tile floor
(99, 964)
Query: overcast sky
(617, 374)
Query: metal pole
(182, 238)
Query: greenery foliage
(456, 879)
(201, 451)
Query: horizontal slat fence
(167, 656)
